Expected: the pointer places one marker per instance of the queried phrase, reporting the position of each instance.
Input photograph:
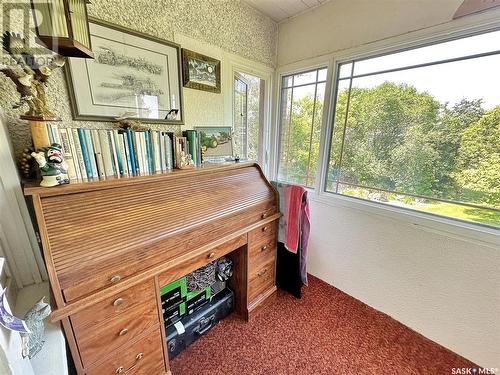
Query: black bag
(200, 322)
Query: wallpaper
(227, 25)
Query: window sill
(461, 230)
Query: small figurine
(186, 161)
(172, 114)
(32, 342)
(52, 165)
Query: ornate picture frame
(133, 75)
(200, 72)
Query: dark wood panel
(239, 281)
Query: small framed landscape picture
(216, 143)
(200, 72)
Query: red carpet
(326, 332)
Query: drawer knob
(211, 255)
(261, 273)
(115, 278)
(264, 229)
(118, 302)
(263, 248)
(264, 215)
(124, 331)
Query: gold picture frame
(200, 72)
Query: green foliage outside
(300, 140)
(402, 140)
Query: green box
(174, 313)
(196, 299)
(173, 293)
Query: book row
(94, 154)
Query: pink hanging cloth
(295, 224)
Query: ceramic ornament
(52, 166)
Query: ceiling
(280, 10)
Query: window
(301, 113)
(248, 115)
(420, 129)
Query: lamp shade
(62, 26)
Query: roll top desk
(110, 245)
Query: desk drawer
(261, 252)
(116, 305)
(263, 233)
(261, 279)
(142, 357)
(95, 342)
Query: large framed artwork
(200, 72)
(132, 75)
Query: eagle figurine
(29, 77)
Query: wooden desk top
(33, 188)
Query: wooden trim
(73, 346)
(239, 281)
(79, 305)
(162, 325)
(54, 281)
(109, 183)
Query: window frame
(457, 29)
(279, 112)
(297, 68)
(237, 64)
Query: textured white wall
(213, 27)
(444, 288)
(342, 24)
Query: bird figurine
(33, 341)
(28, 75)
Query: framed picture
(200, 72)
(216, 142)
(132, 75)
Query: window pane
(300, 124)
(426, 139)
(315, 136)
(322, 74)
(338, 134)
(287, 81)
(456, 48)
(304, 78)
(345, 70)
